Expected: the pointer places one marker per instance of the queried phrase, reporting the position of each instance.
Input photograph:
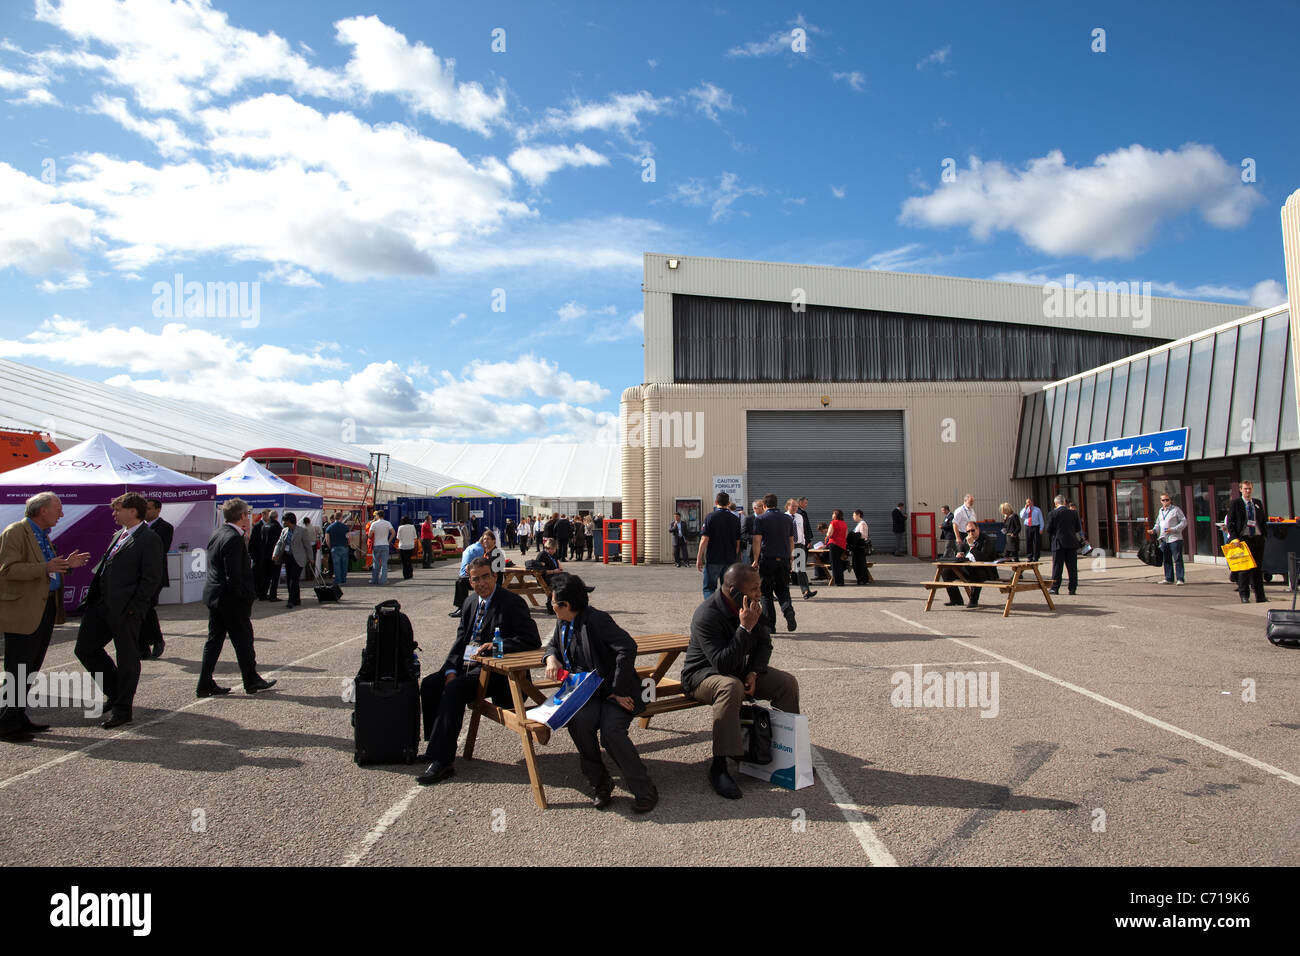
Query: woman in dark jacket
(1011, 529)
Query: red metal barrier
(621, 542)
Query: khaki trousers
(726, 694)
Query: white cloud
(711, 100)
(1111, 209)
(36, 97)
(856, 80)
(39, 232)
(614, 242)
(535, 164)
(1262, 295)
(1267, 294)
(384, 61)
(781, 41)
(895, 260)
(163, 133)
(77, 280)
(719, 198)
(457, 319)
(288, 275)
(939, 56)
(839, 192)
(621, 112)
(630, 328)
(652, 63)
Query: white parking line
(876, 851)
(72, 755)
(1153, 721)
(379, 829)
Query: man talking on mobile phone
(726, 661)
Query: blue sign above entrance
(1150, 449)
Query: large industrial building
(863, 389)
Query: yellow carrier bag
(1239, 556)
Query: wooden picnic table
(821, 558)
(664, 696)
(1009, 588)
(528, 582)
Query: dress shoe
(436, 771)
(455, 613)
(959, 603)
(809, 594)
(592, 587)
(601, 799)
(32, 727)
(159, 648)
(1261, 600)
(972, 604)
(17, 735)
(289, 606)
(116, 720)
(724, 785)
(260, 684)
(1053, 591)
(1245, 599)
(212, 690)
(647, 803)
(789, 621)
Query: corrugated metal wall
(839, 459)
(737, 340)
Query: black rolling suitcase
(327, 590)
(1283, 627)
(386, 718)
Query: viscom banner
(1152, 449)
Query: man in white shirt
(799, 564)
(382, 537)
(1031, 516)
(964, 516)
(1169, 527)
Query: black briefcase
(756, 733)
(327, 591)
(1283, 627)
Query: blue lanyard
(565, 640)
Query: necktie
(1250, 512)
(565, 638)
(478, 618)
(117, 544)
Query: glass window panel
(1137, 377)
(1054, 438)
(1175, 387)
(1216, 420)
(1100, 401)
(1268, 393)
(1154, 405)
(1035, 435)
(1294, 461)
(1115, 417)
(1026, 431)
(1241, 426)
(1064, 438)
(1085, 410)
(1287, 436)
(1250, 470)
(1275, 487)
(1038, 455)
(1198, 395)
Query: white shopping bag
(791, 765)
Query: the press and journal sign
(1152, 449)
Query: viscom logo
(103, 909)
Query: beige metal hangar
(857, 388)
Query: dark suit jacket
(719, 645)
(270, 535)
(563, 530)
(1237, 517)
(507, 611)
(678, 530)
(601, 645)
(165, 533)
(127, 583)
(986, 549)
(230, 571)
(1063, 529)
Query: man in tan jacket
(31, 603)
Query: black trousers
(801, 577)
(462, 592)
(426, 554)
(860, 570)
(292, 574)
(1254, 578)
(1013, 547)
(837, 565)
(233, 621)
(1032, 538)
(408, 570)
(954, 594)
(26, 651)
(272, 580)
(444, 704)
(523, 544)
(612, 721)
(679, 551)
(150, 630)
(98, 627)
(562, 546)
(1067, 558)
(775, 575)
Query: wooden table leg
(1042, 586)
(475, 713)
(526, 738)
(665, 661)
(1011, 595)
(933, 591)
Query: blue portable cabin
(455, 508)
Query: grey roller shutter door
(848, 460)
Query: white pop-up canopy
(88, 476)
(262, 488)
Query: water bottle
(498, 648)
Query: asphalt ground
(1125, 734)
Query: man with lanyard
(31, 603)
(480, 548)
(800, 558)
(1169, 528)
(446, 693)
(586, 639)
(1032, 518)
(1247, 520)
(964, 516)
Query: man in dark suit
(254, 543)
(1064, 532)
(151, 639)
(976, 547)
(228, 593)
(727, 661)
(446, 693)
(946, 533)
(271, 531)
(125, 581)
(677, 531)
(563, 532)
(586, 639)
(1247, 522)
(31, 603)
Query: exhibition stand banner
(86, 478)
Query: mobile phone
(737, 596)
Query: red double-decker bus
(345, 485)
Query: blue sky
(380, 176)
